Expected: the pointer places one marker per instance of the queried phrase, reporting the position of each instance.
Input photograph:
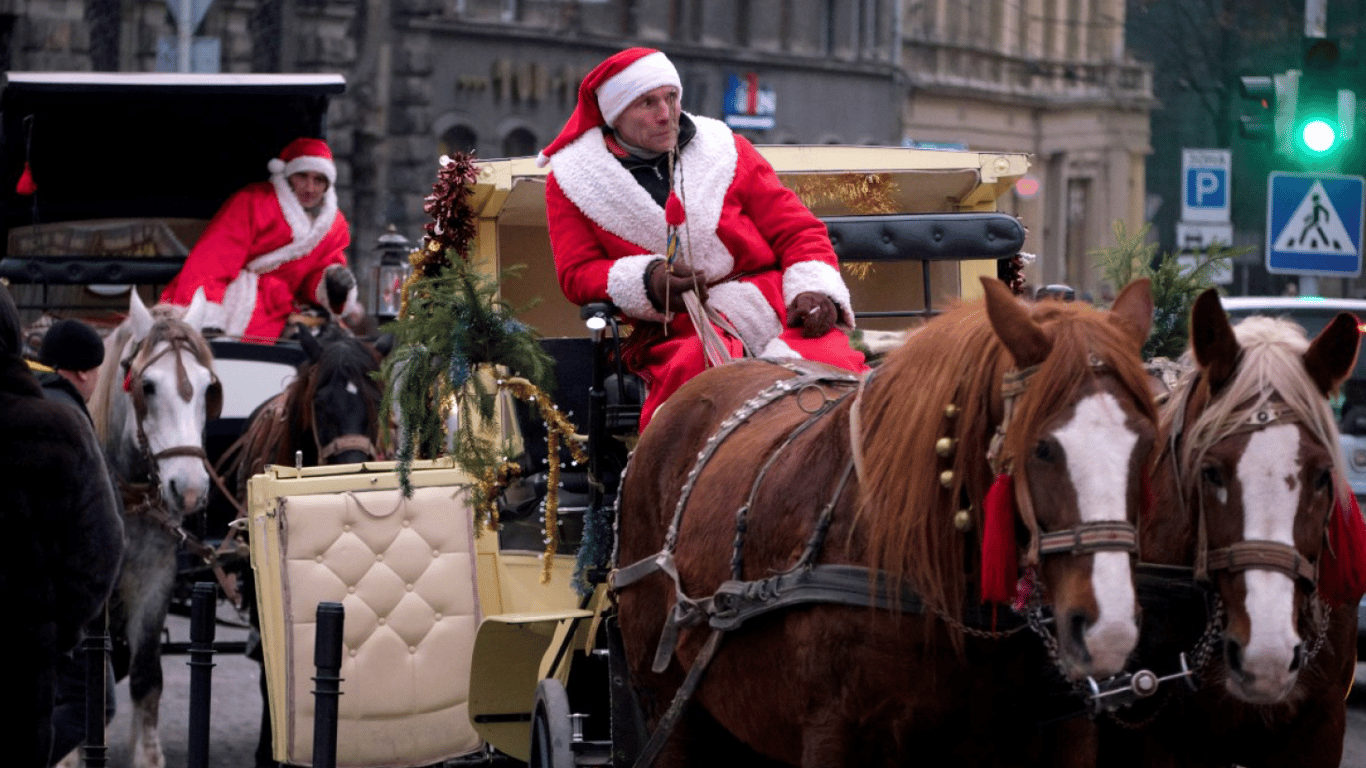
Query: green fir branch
(1174, 286)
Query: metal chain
(974, 631)
(1204, 647)
(1321, 614)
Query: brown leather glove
(815, 313)
(661, 286)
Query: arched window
(458, 138)
(519, 142)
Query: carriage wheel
(550, 727)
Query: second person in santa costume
(646, 204)
(271, 244)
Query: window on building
(785, 25)
(829, 18)
(459, 138)
(742, 11)
(519, 142)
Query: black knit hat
(71, 346)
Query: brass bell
(950, 411)
(946, 478)
(943, 447)
(962, 520)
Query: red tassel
(673, 211)
(128, 382)
(26, 185)
(1000, 555)
(1342, 571)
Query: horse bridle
(1248, 554)
(1087, 537)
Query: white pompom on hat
(304, 155)
(610, 88)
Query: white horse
(157, 389)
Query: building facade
(499, 77)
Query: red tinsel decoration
(1000, 555)
(1342, 569)
(452, 226)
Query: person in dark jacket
(58, 510)
(73, 351)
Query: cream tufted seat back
(404, 571)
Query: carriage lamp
(391, 273)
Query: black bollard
(327, 657)
(96, 649)
(203, 603)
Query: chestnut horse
(856, 505)
(1245, 487)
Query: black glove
(661, 286)
(338, 280)
(815, 313)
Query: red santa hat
(304, 155)
(609, 89)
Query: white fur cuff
(626, 286)
(818, 277)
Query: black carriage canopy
(129, 167)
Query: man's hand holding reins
(665, 288)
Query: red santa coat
(259, 254)
(757, 243)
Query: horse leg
(146, 591)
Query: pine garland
(1174, 286)
(457, 345)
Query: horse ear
(384, 344)
(1216, 348)
(1333, 353)
(1016, 329)
(312, 347)
(1134, 308)
(139, 317)
(195, 315)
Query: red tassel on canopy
(673, 210)
(26, 185)
(1342, 571)
(1000, 554)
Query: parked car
(1314, 313)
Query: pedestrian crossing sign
(1314, 224)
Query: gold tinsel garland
(856, 193)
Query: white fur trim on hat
(644, 74)
(311, 163)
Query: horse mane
(1271, 365)
(906, 511)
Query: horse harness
(806, 582)
(144, 499)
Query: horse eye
(148, 389)
(1044, 451)
(1213, 476)
(1323, 480)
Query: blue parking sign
(1314, 224)
(1205, 180)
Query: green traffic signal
(1318, 135)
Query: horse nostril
(1233, 654)
(1076, 627)
(175, 490)
(1297, 658)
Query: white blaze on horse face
(1099, 446)
(171, 422)
(1268, 472)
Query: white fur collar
(307, 232)
(596, 182)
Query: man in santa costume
(271, 244)
(634, 179)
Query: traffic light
(1274, 120)
(1325, 119)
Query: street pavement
(236, 708)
